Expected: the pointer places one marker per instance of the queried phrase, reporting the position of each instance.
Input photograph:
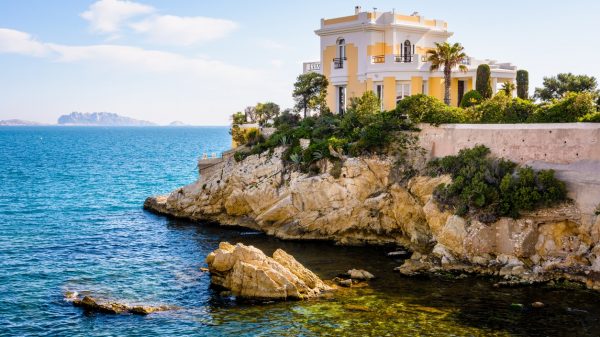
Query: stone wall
(571, 149)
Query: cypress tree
(523, 84)
(484, 82)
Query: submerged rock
(89, 303)
(359, 274)
(248, 273)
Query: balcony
(338, 62)
(398, 58)
(405, 58)
(378, 59)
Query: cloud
(107, 16)
(126, 57)
(270, 44)
(110, 16)
(17, 42)
(184, 31)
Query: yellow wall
(379, 48)
(416, 85)
(369, 85)
(454, 92)
(436, 87)
(406, 18)
(469, 85)
(389, 93)
(354, 87)
(341, 20)
(328, 56)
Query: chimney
(356, 9)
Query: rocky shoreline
(368, 204)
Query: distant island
(178, 123)
(19, 122)
(100, 119)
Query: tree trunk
(447, 83)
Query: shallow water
(71, 220)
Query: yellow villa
(386, 52)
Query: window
(424, 88)
(379, 92)
(402, 90)
(338, 61)
(341, 101)
(407, 51)
(341, 51)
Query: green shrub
(483, 82)
(569, 109)
(487, 188)
(591, 118)
(427, 109)
(471, 98)
(502, 109)
(336, 169)
(522, 84)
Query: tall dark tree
(556, 87)
(522, 84)
(447, 56)
(310, 92)
(483, 83)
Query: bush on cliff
(362, 129)
(568, 109)
(502, 109)
(427, 109)
(487, 188)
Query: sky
(200, 61)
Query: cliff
(100, 119)
(368, 203)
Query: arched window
(407, 51)
(341, 50)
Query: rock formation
(368, 203)
(89, 303)
(248, 273)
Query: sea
(71, 220)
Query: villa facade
(386, 52)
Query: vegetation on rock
(363, 129)
(487, 188)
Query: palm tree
(508, 88)
(447, 56)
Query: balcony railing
(378, 59)
(338, 62)
(405, 58)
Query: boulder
(359, 274)
(92, 304)
(248, 273)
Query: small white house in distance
(386, 52)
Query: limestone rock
(359, 274)
(248, 273)
(89, 303)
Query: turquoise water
(71, 220)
